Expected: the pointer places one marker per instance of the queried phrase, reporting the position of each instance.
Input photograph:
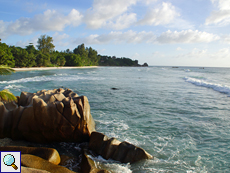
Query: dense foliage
(46, 56)
(114, 61)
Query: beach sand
(49, 68)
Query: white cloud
(74, 18)
(186, 36)
(58, 37)
(199, 54)
(135, 56)
(2, 28)
(164, 14)
(104, 11)
(119, 37)
(195, 53)
(61, 40)
(123, 21)
(225, 39)
(179, 49)
(148, 2)
(50, 20)
(221, 18)
(221, 54)
(168, 37)
(222, 15)
(222, 4)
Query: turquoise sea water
(179, 115)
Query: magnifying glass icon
(9, 160)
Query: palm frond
(5, 70)
(7, 95)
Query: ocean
(181, 116)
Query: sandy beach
(49, 68)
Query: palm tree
(5, 94)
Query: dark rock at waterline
(47, 116)
(88, 165)
(111, 148)
(114, 88)
(145, 65)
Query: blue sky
(167, 33)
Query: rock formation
(89, 166)
(111, 148)
(36, 162)
(48, 154)
(32, 170)
(47, 116)
(59, 115)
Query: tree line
(46, 56)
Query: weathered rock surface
(89, 166)
(49, 154)
(36, 162)
(32, 170)
(47, 116)
(111, 148)
(58, 115)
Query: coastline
(49, 68)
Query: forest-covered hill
(46, 56)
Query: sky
(159, 32)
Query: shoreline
(49, 68)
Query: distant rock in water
(114, 88)
(145, 65)
(58, 115)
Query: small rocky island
(37, 121)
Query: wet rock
(65, 160)
(89, 166)
(111, 148)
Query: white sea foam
(111, 165)
(55, 77)
(64, 74)
(118, 168)
(14, 87)
(215, 86)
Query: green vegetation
(46, 56)
(5, 94)
(45, 44)
(113, 61)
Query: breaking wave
(215, 86)
(55, 77)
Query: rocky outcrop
(36, 162)
(32, 170)
(59, 115)
(48, 154)
(47, 116)
(111, 148)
